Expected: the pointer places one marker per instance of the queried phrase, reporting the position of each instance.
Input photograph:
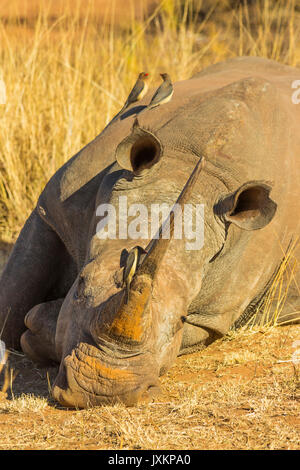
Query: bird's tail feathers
(140, 112)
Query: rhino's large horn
(132, 322)
(139, 151)
(158, 246)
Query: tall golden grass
(271, 312)
(273, 309)
(67, 76)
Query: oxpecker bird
(163, 93)
(131, 265)
(138, 91)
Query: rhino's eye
(145, 152)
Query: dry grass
(67, 75)
(273, 310)
(27, 10)
(240, 393)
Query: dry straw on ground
(66, 76)
(242, 392)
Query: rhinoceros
(228, 140)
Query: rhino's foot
(35, 348)
(38, 342)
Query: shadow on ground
(27, 378)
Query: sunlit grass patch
(24, 403)
(67, 76)
(273, 309)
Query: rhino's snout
(85, 380)
(75, 398)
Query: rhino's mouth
(121, 365)
(89, 377)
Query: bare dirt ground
(242, 392)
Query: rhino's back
(172, 123)
(223, 73)
(100, 153)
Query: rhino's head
(112, 350)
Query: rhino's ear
(139, 151)
(250, 207)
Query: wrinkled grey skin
(59, 298)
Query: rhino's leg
(38, 342)
(30, 276)
(195, 338)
